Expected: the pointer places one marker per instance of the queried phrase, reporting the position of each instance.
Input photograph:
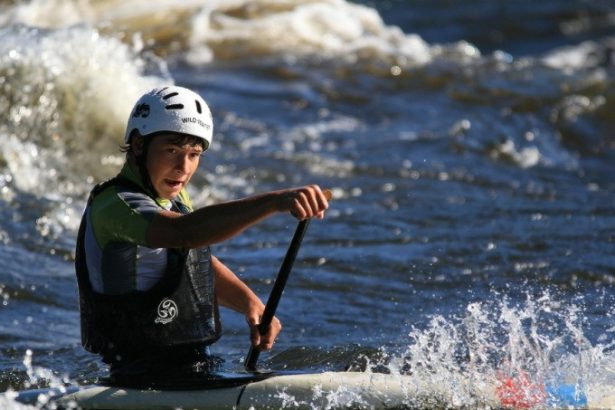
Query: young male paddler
(149, 286)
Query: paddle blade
(251, 359)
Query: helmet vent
(198, 107)
(174, 107)
(166, 97)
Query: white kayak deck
(301, 391)
(329, 390)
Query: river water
(469, 146)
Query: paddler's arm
(216, 223)
(234, 294)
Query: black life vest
(179, 312)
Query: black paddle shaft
(277, 290)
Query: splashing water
(37, 399)
(533, 354)
(324, 399)
(523, 356)
(68, 93)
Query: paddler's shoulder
(123, 193)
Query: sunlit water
(470, 241)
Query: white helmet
(171, 109)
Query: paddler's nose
(182, 164)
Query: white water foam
(240, 29)
(323, 399)
(588, 54)
(37, 376)
(325, 28)
(45, 13)
(535, 348)
(525, 157)
(68, 94)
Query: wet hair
(183, 139)
(178, 139)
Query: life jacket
(179, 312)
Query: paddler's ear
(136, 144)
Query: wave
(201, 31)
(205, 31)
(67, 94)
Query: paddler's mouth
(173, 183)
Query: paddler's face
(171, 162)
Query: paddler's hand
(305, 202)
(266, 341)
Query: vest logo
(167, 311)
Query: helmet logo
(141, 110)
(167, 311)
(195, 120)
